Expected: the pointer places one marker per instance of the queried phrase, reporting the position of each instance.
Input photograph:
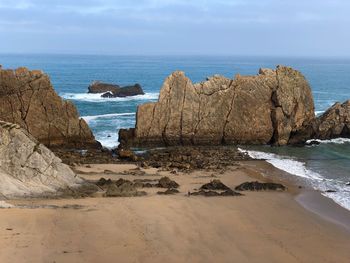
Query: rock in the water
(169, 192)
(257, 186)
(215, 185)
(99, 87)
(312, 142)
(335, 122)
(268, 108)
(113, 91)
(129, 91)
(27, 98)
(166, 182)
(28, 168)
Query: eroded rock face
(335, 122)
(99, 87)
(28, 168)
(113, 91)
(27, 98)
(262, 109)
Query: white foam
(90, 118)
(96, 97)
(319, 112)
(3, 204)
(107, 139)
(298, 168)
(335, 141)
(284, 163)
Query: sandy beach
(256, 227)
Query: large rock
(99, 87)
(114, 91)
(27, 98)
(268, 108)
(335, 122)
(28, 168)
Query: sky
(176, 27)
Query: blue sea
(324, 167)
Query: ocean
(323, 167)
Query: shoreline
(257, 227)
(310, 199)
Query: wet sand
(256, 227)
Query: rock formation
(28, 168)
(27, 98)
(113, 91)
(270, 107)
(335, 122)
(99, 87)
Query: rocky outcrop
(27, 98)
(268, 108)
(99, 87)
(28, 168)
(114, 91)
(335, 122)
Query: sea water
(324, 167)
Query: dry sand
(257, 227)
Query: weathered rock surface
(27, 167)
(99, 87)
(125, 189)
(27, 98)
(187, 158)
(268, 108)
(166, 182)
(169, 192)
(215, 185)
(257, 186)
(113, 91)
(335, 122)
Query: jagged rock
(27, 98)
(335, 122)
(99, 87)
(28, 168)
(257, 186)
(262, 109)
(215, 185)
(187, 158)
(166, 182)
(113, 91)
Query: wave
(94, 117)
(284, 163)
(96, 97)
(334, 141)
(341, 195)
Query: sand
(256, 227)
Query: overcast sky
(226, 27)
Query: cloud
(175, 25)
